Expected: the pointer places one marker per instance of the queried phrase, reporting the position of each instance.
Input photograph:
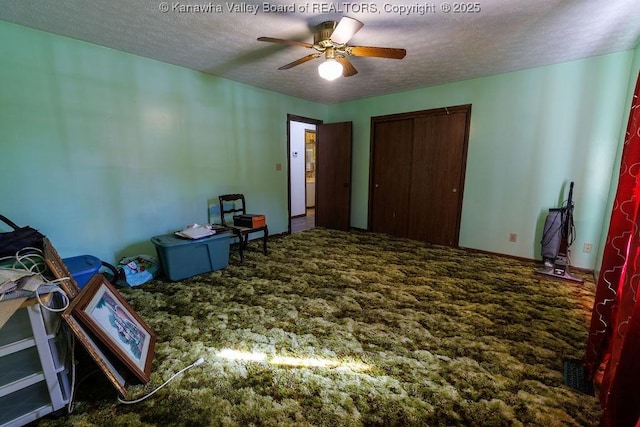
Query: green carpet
(357, 329)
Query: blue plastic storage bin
(82, 268)
(181, 258)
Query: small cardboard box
(249, 220)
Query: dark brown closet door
(391, 176)
(418, 162)
(436, 182)
(333, 175)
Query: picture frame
(103, 311)
(117, 376)
(59, 269)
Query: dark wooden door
(436, 182)
(418, 163)
(333, 175)
(391, 160)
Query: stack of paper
(195, 231)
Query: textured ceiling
(442, 47)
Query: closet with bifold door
(417, 169)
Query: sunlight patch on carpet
(292, 361)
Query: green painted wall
(532, 133)
(102, 150)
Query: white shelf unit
(34, 381)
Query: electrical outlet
(513, 237)
(586, 248)
(278, 166)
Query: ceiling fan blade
(300, 61)
(287, 42)
(345, 29)
(377, 52)
(348, 69)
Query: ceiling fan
(330, 40)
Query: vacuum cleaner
(557, 237)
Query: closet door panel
(390, 176)
(437, 178)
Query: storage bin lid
(169, 240)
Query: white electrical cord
(73, 374)
(38, 265)
(130, 402)
(35, 257)
(75, 383)
(65, 299)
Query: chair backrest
(231, 204)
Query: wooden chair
(234, 204)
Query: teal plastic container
(181, 258)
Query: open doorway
(332, 173)
(301, 147)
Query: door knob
(455, 190)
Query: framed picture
(59, 270)
(117, 376)
(103, 311)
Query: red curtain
(613, 346)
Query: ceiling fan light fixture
(330, 69)
(330, 39)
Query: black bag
(21, 237)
